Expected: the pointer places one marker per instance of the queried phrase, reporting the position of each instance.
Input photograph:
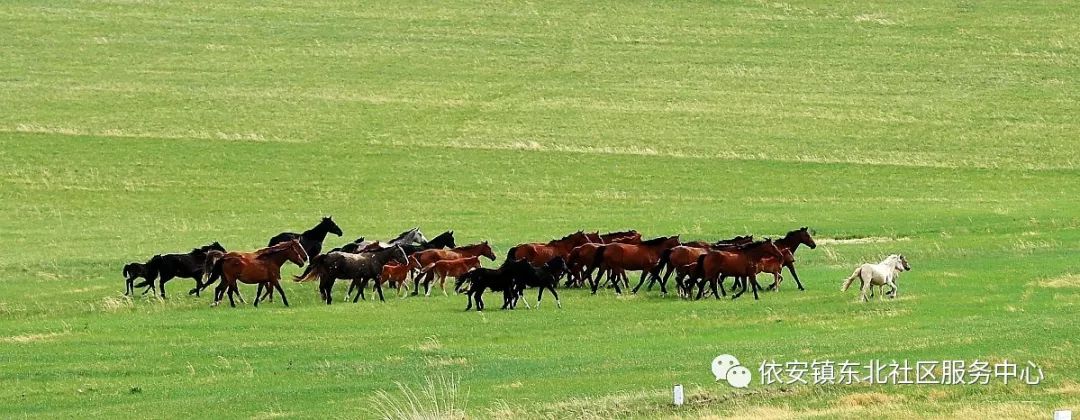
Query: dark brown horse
(791, 242)
(643, 256)
(425, 257)
(689, 252)
(741, 263)
(581, 258)
(538, 254)
(262, 267)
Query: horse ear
(804, 229)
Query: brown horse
(791, 242)
(741, 263)
(689, 252)
(453, 268)
(429, 256)
(262, 267)
(539, 254)
(397, 274)
(643, 256)
(581, 258)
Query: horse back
(282, 237)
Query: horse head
(803, 234)
(328, 224)
(903, 263)
(297, 254)
(486, 251)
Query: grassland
(129, 128)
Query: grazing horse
(741, 263)
(262, 267)
(429, 256)
(169, 266)
(544, 277)
(791, 242)
(311, 239)
(133, 271)
(643, 256)
(360, 268)
(540, 253)
(453, 268)
(883, 273)
(481, 279)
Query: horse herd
(584, 259)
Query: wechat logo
(727, 367)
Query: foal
(453, 268)
(480, 279)
(133, 271)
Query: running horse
(580, 259)
(790, 243)
(262, 267)
(540, 253)
(621, 257)
(312, 239)
(429, 256)
(740, 262)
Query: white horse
(884, 273)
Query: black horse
(169, 266)
(481, 279)
(311, 239)
(133, 271)
(352, 247)
(444, 240)
(543, 277)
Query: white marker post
(1063, 415)
(679, 396)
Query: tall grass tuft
(440, 397)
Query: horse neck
(277, 257)
(789, 242)
(470, 250)
(317, 233)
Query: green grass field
(945, 131)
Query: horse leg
(277, 285)
(442, 284)
(864, 287)
(258, 295)
(791, 269)
(755, 285)
(713, 283)
(378, 289)
(644, 273)
(742, 289)
(479, 300)
(558, 303)
(359, 295)
(615, 282)
(231, 289)
(162, 285)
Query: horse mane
(752, 245)
(402, 235)
(625, 232)
(657, 241)
(271, 250)
(565, 238)
(471, 246)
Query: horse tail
(427, 268)
(153, 267)
(510, 254)
(313, 270)
(849, 280)
(598, 258)
(665, 259)
(215, 271)
(699, 271)
(127, 270)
